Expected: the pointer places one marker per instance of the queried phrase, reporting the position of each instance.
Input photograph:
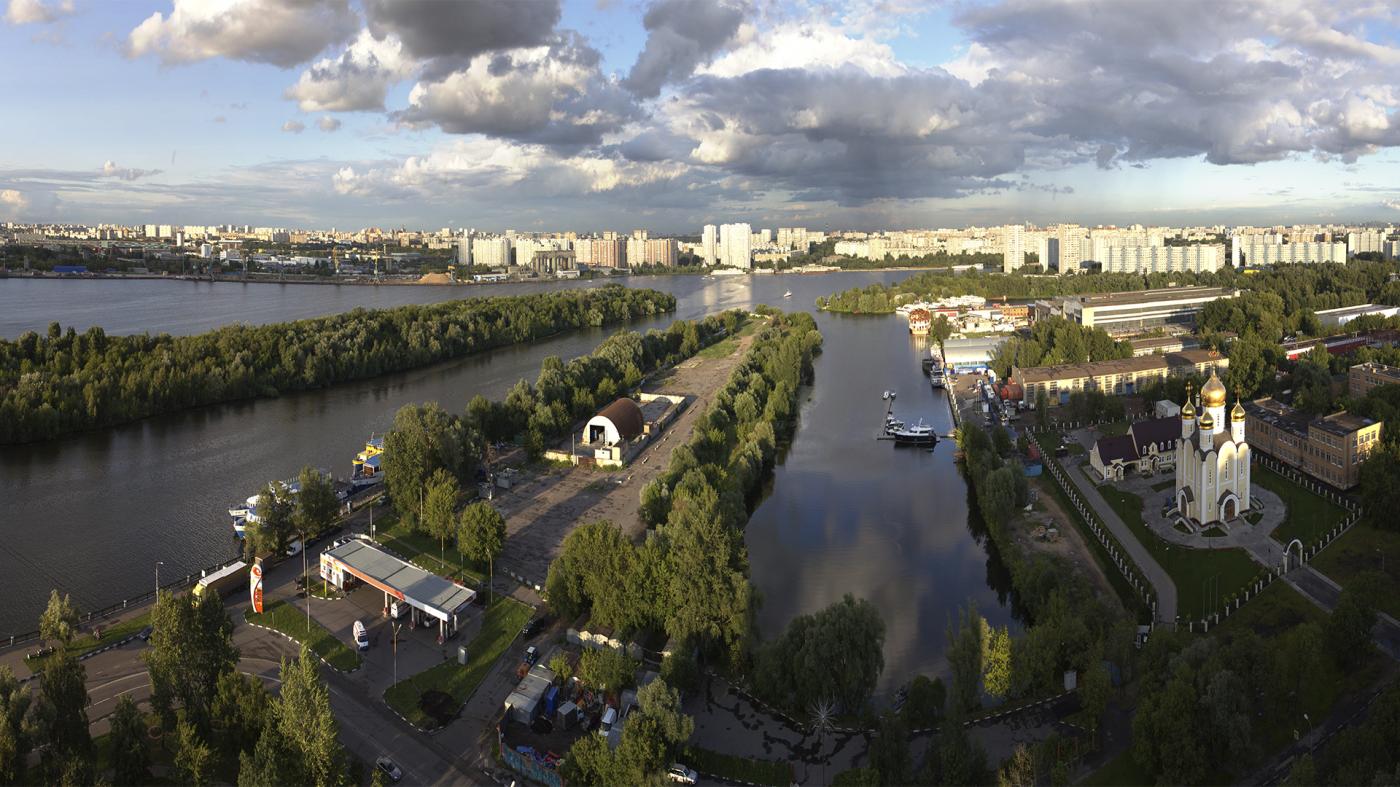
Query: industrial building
(1123, 377)
(1329, 448)
(1134, 312)
(1331, 318)
(972, 354)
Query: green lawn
(290, 620)
(1361, 549)
(425, 549)
(1200, 574)
(88, 643)
(726, 347)
(1309, 516)
(1113, 428)
(504, 619)
(740, 769)
(1121, 771)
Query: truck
(223, 581)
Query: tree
(239, 713)
(15, 726)
(131, 755)
(889, 751)
(606, 669)
(924, 704)
(1019, 771)
(1251, 368)
(996, 660)
(193, 757)
(304, 719)
(481, 534)
(961, 760)
(316, 506)
(191, 647)
(1166, 739)
(59, 622)
(275, 523)
(964, 638)
(63, 710)
(1042, 408)
(1093, 694)
(425, 438)
(652, 737)
(1380, 494)
(836, 654)
(440, 507)
(1348, 628)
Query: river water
(92, 514)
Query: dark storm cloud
(681, 35)
(463, 28)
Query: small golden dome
(1237, 414)
(1206, 420)
(1188, 411)
(1213, 392)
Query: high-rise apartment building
(1013, 247)
(1070, 247)
(709, 244)
(735, 250)
(1366, 241)
(1200, 258)
(464, 253)
(1257, 250)
(491, 252)
(793, 238)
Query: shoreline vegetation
(63, 382)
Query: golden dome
(1188, 411)
(1207, 421)
(1237, 414)
(1213, 392)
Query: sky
(669, 114)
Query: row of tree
(1057, 340)
(690, 577)
(63, 381)
(214, 722)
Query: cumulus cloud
(554, 94)
(681, 35)
(12, 202)
(278, 32)
(359, 79)
(30, 12)
(294, 126)
(328, 123)
(462, 28)
(111, 170)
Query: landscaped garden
(1309, 516)
(1361, 549)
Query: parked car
(681, 775)
(609, 719)
(361, 635)
(388, 768)
(532, 655)
(536, 625)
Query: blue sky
(666, 114)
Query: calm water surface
(92, 514)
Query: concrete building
(1332, 318)
(709, 245)
(491, 252)
(794, 238)
(735, 246)
(1122, 377)
(1330, 448)
(1134, 312)
(1365, 376)
(1199, 258)
(1255, 250)
(464, 254)
(971, 354)
(1013, 247)
(1160, 345)
(548, 262)
(1363, 241)
(1069, 251)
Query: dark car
(536, 625)
(388, 768)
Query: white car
(361, 635)
(681, 775)
(388, 768)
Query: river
(93, 513)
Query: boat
(937, 378)
(787, 294)
(368, 469)
(246, 512)
(892, 424)
(920, 321)
(917, 434)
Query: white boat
(787, 294)
(937, 378)
(918, 434)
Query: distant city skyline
(571, 115)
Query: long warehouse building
(1135, 312)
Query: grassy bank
(1204, 577)
(504, 619)
(281, 616)
(88, 643)
(1309, 516)
(738, 769)
(424, 549)
(1365, 548)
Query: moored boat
(915, 434)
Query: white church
(1212, 463)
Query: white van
(361, 635)
(609, 719)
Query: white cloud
(328, 123)
(111, 170)
(260, 31)
(807, 46)
(12, 202)
(294, 126)
(358, 79)
(29, 12)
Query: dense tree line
(1366, 753)
(63, 381)
(690, 577)
(1205, 702)
(1055, 341)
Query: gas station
(429, 597)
